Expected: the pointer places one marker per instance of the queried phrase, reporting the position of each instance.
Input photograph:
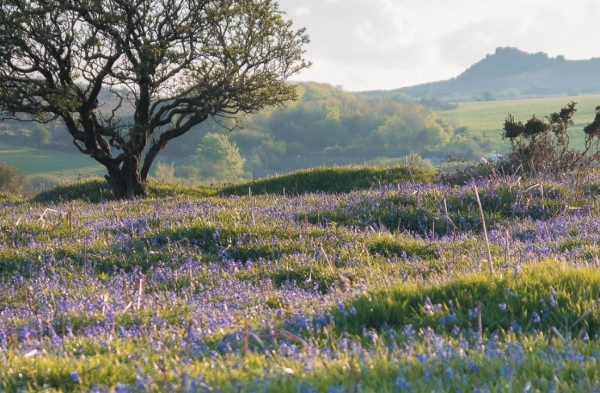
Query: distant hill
(510, 73)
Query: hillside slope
(511, 73)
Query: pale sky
(387, 44)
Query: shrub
(218, 158)
(543, 145)
(40, 135)
(12, 180)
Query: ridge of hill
(510, 73)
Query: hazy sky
(386, 44)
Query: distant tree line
(329, 122)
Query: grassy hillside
(510, 73)
(332, 179)
(485, 119)
(381, 287)
(50, 164)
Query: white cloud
(373, 44)
(300, 11)
(364, 31)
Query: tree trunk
(125, 180)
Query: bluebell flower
(74, 377)
(552, 300)
(427, 306)
(401, 383)
(121, 388)
(373, 336)
(408, 330)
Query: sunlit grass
(365, 278)
(541, 296)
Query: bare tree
(175, 62)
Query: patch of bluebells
(203, 320)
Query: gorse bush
(543, 145)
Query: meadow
(339, 279)
(485, 119)
(45, 164)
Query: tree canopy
(176, 63)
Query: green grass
(55, 167)
(333, 179)
(216, 258)
(52, 164)
(6, 197)
(575, 292)
(486, 118)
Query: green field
(50, 164)
(486, 118)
